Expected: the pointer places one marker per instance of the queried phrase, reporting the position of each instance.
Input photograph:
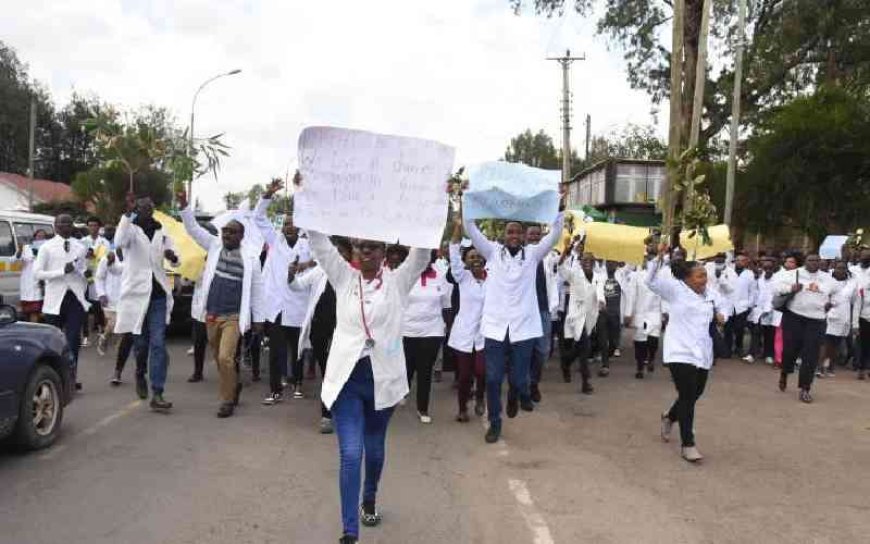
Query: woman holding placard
(511, 321)
(365, 374)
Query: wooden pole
(675, 133)
(698, 99)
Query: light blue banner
(504, 190)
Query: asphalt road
(579, 469)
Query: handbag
(780, 301)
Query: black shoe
(783, 381)
(492, 434)
(159, 404)
(226, 410)
(238, 392)
(142, 387)
(604, 371)
(347, 539)
(513, 406)
(650, 367)
(527, 405)
(639, 374)
(78, 386)
(116, 378)
(587, 388)
(566, 373)
(195, 378)
(479, 408)
(536, 393)
(369, 515)
(255, 377)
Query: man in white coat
(61, 265)
(145, 301)
(232, 287)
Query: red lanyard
(370, 342)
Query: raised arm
(410, 270)
(337, 270)
(541, 249)
(196, 231)
(660, 284)
(262, 221)
(457, 267)
(480, 242)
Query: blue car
(36, 381)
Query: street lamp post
(190, 132)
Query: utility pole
(31, 152)
(735, 113)
(588, 137)
(566, 61)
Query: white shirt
(28, 286)
(94, 244)
(423, 316)
(688, 336)
(465, 335)
(764, 314)
(745, 290)
(290, 303)
(840, 315)
(807, 303)
(861, 277)
(585, 298)
(510, 308)
(643, 307)
(49, 267)
(384, 300)
(107, 281)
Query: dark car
(36, 380)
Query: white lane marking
(534, 519)
(56, 450)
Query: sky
(468, 73)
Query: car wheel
(41, 411)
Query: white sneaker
(769, 360)
(691, 454)
(424, 418)
(273, 399)
(85, 342)
(667, 425)
(297, 392)
(749, 359)
(617, 353)
(190, 352)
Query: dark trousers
(768, 337)
(578, 349)
(420, 355)
(645, 352)
(283, 343)
(471, 368)
(72, 314)
(248, 349)
(125, 346)
(690, 382)
(801, 337)
(200, 342)
(612, 333)
(735, 330)
(864, 335)
(96, 310)
(321, 341)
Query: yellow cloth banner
(192, 256)
(720, 235)
(608, 241)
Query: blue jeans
(153, 341)
(360, 428)
(496, 354)
(542, 348)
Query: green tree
(232, 200)
(105, 188)
(630, 142)
(69, 148)
(535, 150)
(810, 165)
(791, 47)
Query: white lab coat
(643, 308)
(840, 316)
(313, 282)
(551, 271)
(144, 260)
(28, 286)
(424, 316)
(465, 335)
(384, 320)
(510, 309)
(584, 300)
(282, 300)
(107, 282)
(49, 267)
(763, 313)
(95, 244)
(688, 338)
(252, 306)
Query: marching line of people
(375, 317)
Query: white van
(16, 230)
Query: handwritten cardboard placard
(374, 186)
(504, 190)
